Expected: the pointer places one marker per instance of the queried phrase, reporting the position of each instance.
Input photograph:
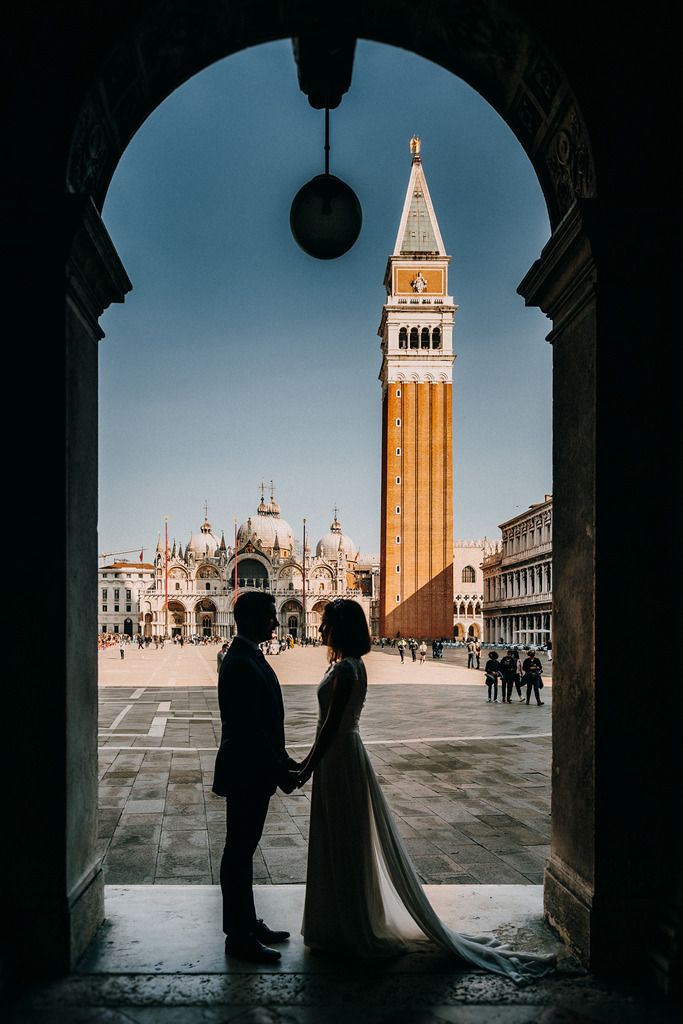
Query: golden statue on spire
(415, 147)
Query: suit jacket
(252, 755)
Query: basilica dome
(328, 546)
(199, 542)
(268, 529)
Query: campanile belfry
(416, 595)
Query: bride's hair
(347, 629)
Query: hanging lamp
(325, 216)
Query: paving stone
(183, 822)
(450, 795)
(131, 866)
(144, 806)
(183, 853)
(131, 837)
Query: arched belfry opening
(612, 810)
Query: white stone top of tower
(418, 231)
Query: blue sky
(237, 358)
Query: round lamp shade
(325, 217)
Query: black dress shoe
(252, 950)
(263, 933)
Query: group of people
(414, 648)
(512, 672)
(363, 894)
(411, 644)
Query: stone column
(612, 885)
(56, 902)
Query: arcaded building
(518, 579)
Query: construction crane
(129, 551)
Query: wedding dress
(363, 895)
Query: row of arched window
(467, 611)
(417, 338)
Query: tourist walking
(423, 652)
(492, 674)
(532, 670)
(412, 644)
(402, 648)
(470, 653)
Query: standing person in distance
(477, 652)
(221, 654)
(492, 674)
(423, 652)
(470, 653)
(532, 670)
(508, 665)
(251, 763)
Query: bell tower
(416, 331)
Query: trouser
(508, 684)
(537, 690)
(401, 652)
(244, 820)
(414, 655)
(493, 683)
(470, 660)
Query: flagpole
(303, 580)
(235, 573)
(166, 579)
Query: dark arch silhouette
(594, 123)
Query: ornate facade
(518, 579)
(468, 588)
(190, 591)
(416, 557)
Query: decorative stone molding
(562, 281)
(95, 274)
(486, 43)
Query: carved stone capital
(95, 275)
(562, 280)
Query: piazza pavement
(468, 781)
(469, 785)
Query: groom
(251, 763)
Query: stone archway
(291, 619)
(177, 619)
(205, 618)
(116, 77)
(560, 154)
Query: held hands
(290, 781)
(303, 776)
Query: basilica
(190, 590)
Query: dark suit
(250, 764)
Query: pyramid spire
(418, 232)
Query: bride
(363, 895)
